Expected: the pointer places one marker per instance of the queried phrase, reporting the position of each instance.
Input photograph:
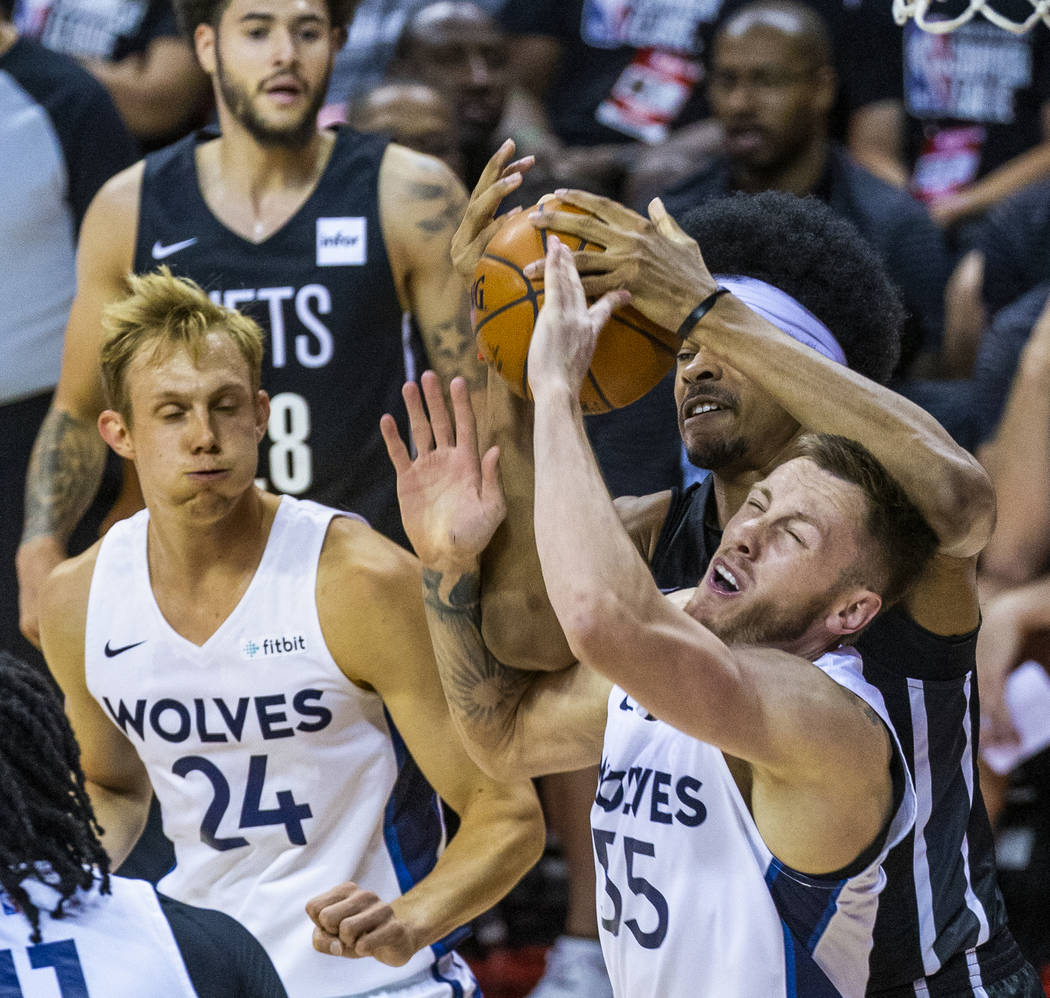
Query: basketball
(632, 353)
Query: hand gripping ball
(632, 353)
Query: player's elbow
(595, 624)
(501, 756)
(966, 513)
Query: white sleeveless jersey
(116, 945)
(691, 902)
(277, 777)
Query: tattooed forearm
(451, 351)
(64, 473)
(482, 692)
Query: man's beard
(713, 455)
(294, 136)
(768, 624)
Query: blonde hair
(166, 312)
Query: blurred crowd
(935, 147)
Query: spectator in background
(614, 90)
(362, 62)
(972, 111)
(996, 295)
(61, 139)
(60, 907)
(601, 85)
(772, 87)
(1014, 243)
(457, 48)
(999, 354)
(134, 49)
(413, 114)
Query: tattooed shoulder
(872, 715)
(436, 198)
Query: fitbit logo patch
(273, 646)
(341, 242)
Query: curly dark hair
(48, 830)
(801, 246)
(190, 13)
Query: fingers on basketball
(632, 353)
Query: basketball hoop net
(919, 9)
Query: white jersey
(277, 777)
(116, 945)
(691, 902)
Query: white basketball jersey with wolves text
(116, 945)
(278, 778)
(691, 902)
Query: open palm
(451, 502)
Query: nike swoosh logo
(160, 251)
(111, 652)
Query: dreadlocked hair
(48, 829)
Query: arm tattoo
(445, 322)
(446, 210)
(64, 474)
(482, 692)
(449, 345)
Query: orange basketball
(632, 353)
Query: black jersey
(941, 918)
(338, 346)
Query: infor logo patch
(341, 242)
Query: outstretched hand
(451, 502)
(501, 176)
(566, 331)
(651, 257)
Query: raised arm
(513, 722)
(663, 269)
(115, 777)
(519, 626)
(821, 788)
(421, 202)
(68, 457)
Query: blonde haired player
(263, 664)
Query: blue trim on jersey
(805, 905)
(832, 907)
(789, 960)
(457, 988)
(414, 827)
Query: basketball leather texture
(632, 353)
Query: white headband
(786, 313)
